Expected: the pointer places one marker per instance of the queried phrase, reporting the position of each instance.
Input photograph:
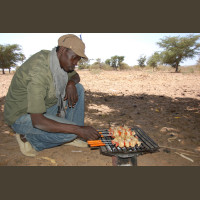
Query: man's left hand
(71, 94)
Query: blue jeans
(40, 139)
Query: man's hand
(71, 94)
(88, 133)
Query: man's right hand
(88, 133)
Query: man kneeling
(45, 101)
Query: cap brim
(85, 58)
(82, 55)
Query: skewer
(103, 131)
(96, 143)
(106, 135)
(99, 142)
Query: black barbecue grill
(125, 154)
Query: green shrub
(101, 66)
(107, 67)
(124, 66)
(94, 66)
(136, 68)
(83, 64)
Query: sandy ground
(165, 105)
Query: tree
(177, 49)
(99, 63)
(141, 61)
(115, 61)
(83, 64)
(154, 60)
(108, 62)
(10, 55)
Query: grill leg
(117, 161)
(134, 160)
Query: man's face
(68, 60)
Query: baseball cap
(74, 43)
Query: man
(45, 101)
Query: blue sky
(98, 45)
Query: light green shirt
(32, 88)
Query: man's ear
(61, 51)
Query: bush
(149, 68)
(163, 68)
(94, 66)
(101, 66)
(124, 66)
(83, 64)
(190, 69)
(107, 67)
(137, 68)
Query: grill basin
(147, 146)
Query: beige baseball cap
(74, 43)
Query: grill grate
(147, 146)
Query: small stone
(166, 150)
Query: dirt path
(165, 105)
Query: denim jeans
(40, 139)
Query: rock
(164, 130)
(166, 150)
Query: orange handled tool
(95, 143)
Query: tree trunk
(3, 72)
(176, 68)
(9, 70)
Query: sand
(165, 105)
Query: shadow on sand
(156, 115)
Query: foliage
(83, 64)
(10, 55)
(124, 66)
(177, 49)
(115, 61)
(141, 61)
(107, 67)
(154, 60)
(103, 66)
(99, 64)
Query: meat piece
(133, 143)
(121, 143)
(124, 137)
(127, 143)
(138, 143)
